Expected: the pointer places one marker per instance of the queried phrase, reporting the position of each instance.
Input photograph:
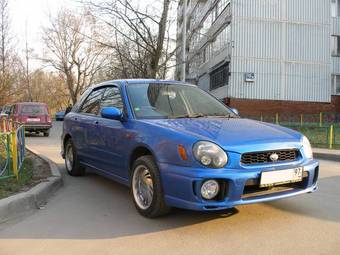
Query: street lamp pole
(184, 39)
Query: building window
(207, 53)
(219, 77)
(336, 84)
(335, 8)
(207, 23)
(335, 46)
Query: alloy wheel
(142, 187)
(69, 157)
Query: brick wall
(254, 107)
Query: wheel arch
(139, 151)
(65, 139)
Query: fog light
(210, 189)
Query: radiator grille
(265, 156)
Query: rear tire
(146, 188)
(72, 164)
(47, 133)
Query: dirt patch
(34, 171)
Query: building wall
(256, 107)
(286, 43)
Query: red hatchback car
(34, 116)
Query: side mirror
(235, 111)
(112, 113)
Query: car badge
(274, 157)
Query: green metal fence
(12, 148)
(323, 129)
(321, 119)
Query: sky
(36, 14)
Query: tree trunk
(160, 40)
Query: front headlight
(307, 147)
(210, 154)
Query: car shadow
(323, 204)
(93, 207)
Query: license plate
(273, 178)
(33, 120)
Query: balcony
(205, 9)
(222, 20)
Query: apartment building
(263, 56)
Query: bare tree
(4, 33)
(71, 52)
(139, 38)
(28, 52)
(49, 88)
(5, 47)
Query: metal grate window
(219, 77)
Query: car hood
(235, 134)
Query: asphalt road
(92, 215)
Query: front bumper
(240, 186)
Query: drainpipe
(184, 38)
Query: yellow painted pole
(277, 118)
(301, 120)
(331, 136)
(321, 119)
(14, 154)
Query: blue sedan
(175, 145)
(59, 116)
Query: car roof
(139, 81)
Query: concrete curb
(327, 156)
(23, 203)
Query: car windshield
(33, 109)
(167, 101)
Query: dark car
(34, 116)
(59, 116)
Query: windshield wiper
(201, 115)
(188, 116)
(229, 116)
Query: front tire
(72, 164)
(146, 188)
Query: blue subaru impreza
(175, 145)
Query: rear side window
(32, 109)
(92, 103)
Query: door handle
(96, 122)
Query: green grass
(12, 185)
